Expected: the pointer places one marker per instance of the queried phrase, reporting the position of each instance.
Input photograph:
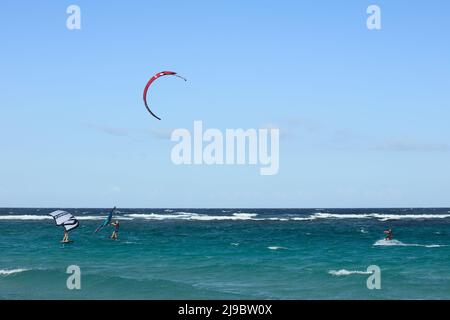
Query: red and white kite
(156, 76)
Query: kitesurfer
(115, 233)
(388, 234)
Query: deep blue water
(228, 254)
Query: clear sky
(363, 115)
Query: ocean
(228, 254)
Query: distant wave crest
(4, 272)
(344, 272)
(276, 248)
(169, 214)
(25, 217)
(194, 216)
(379, 216)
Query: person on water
(66, 237)
(388, 234)
(115, 233)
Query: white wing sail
(71, 224)
(65, 219)
(61, 217)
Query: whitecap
(276, 248)
(275, 219)
(380, 217)
(25, 217)
(324, 215)
(4, 272)
(344, 272)
(244, 214)
(304, 219)
(387, 217)
(154, 216)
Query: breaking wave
(194, 216)
(379, 216)
(169, 214)
(25, 217)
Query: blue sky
(363, 114)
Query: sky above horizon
(363, 115)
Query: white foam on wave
(169, 214)
(155, 216)
(102, 218)
(91, 217)
(379, 216)
(274, 219)
(233, 217)
(25, 217)
(276, 248)
(324, 215)
(344, 272)
(194, 216)
(245, 214)
(386, 217)
(384, 242)
(310, 218)
(4, 272)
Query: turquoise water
(228, 254)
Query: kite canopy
(156, 76)
(65, 219)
